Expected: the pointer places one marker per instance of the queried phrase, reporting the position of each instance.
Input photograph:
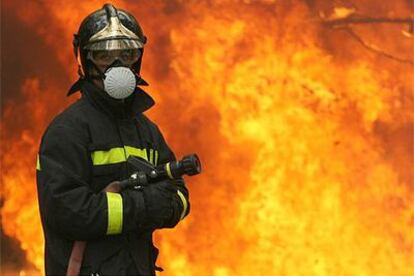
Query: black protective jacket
(82, 151)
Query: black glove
(177, 207)
(159, 198)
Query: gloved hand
(159, 198)
(177, 207)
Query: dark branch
(372, 48)
(367, 20)
(346, 21)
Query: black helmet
(108, 29)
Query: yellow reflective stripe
(156, 157)
(114, 213)
(136, 152)
(116, 155)
(38, 163)
(185, 204)
(151, 156)
(112, 156)
(168, 170)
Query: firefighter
(85, 148)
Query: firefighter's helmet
(107, 29)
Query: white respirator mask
(119, 82)
(118, 79)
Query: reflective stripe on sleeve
(114, 213)
(168, 170)
(185, 204)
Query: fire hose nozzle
(189, 165)
(146, 173)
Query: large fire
(305, 131)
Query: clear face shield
(105, 58)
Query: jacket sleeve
(67, 204)
(182, 203)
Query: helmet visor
(106, 58)
(115, 44)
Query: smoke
(25, 55)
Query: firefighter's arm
(181, 201)
(67, 204)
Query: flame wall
(306, 137)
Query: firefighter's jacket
(83, 150)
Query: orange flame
(306, 137)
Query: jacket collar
(135, 104)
